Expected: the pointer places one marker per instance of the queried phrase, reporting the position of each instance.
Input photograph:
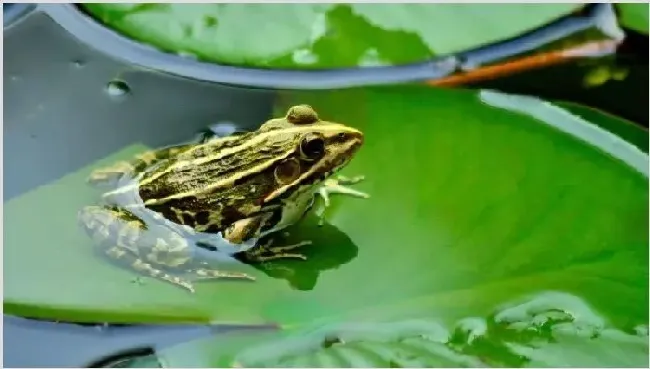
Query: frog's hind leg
(111, 174)
(116, 233)
(151, 251)
(137, 264)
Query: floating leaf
(635, 16)
(322, 35)
(550, 329)
(478, 200)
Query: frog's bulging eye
(287, 172)
(312, 147)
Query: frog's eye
(312, 147)
(287, 172)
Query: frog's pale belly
(292, 212)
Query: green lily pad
(503, 231)
(482, 203)
(635, 16)
(629, 131)
(322, 35)
(551, 329)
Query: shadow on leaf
(330, 249)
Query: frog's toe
(280, 255)
(281, 249)
(338, 186)
(343, 180)
(109, 175)
(277, 252)
(203, 274)
(147, 269)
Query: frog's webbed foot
(152, 252)
(204, 274)
(339, 186)
(137, 264)
(267, 252)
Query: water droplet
(304, 57)
(469, 329)
(371, 58)
(78, 63)
(117, 88)
(641, 330)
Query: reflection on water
(551, 329)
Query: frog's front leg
(149, 250)
(248, 228)
(111, 174)
(339, 186)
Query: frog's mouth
(322, 169)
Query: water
(77, 345)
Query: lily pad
(635, 16)
(322, 35)
(503, 231)
(479, 201)
(629, 131)
(551, 329)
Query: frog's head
(311, 150)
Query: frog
(227, 194)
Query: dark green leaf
(635, 16)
